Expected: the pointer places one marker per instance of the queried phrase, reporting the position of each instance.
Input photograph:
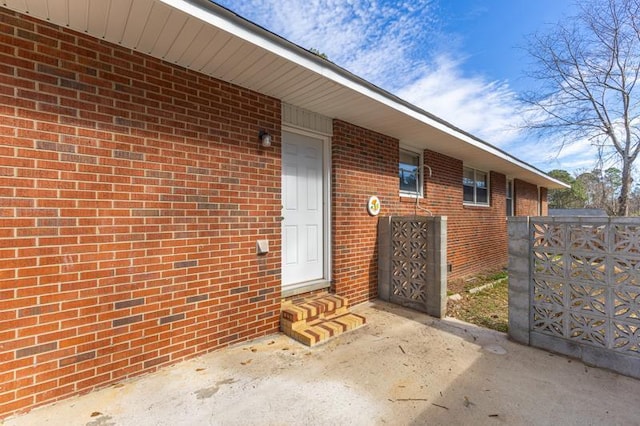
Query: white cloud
(377, 40)
(578, 155)
(398, 46)
(486, 109)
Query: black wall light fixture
(265, 138)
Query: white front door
(303, 218)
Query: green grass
(488, 308)
(484, 279)
(498, 276)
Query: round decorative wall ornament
(373, 206)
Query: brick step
(317, 319)
(321, 330)
(317, 307)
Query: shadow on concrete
(402, 368)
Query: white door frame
(325, 282)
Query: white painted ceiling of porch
(201, 36)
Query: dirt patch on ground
(487, 308)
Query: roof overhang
(207, 38)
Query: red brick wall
(526, 198)
(544, 204)
(132, 193)
(477, 235)
(365, 163)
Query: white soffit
(204, 37)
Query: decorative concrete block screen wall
(574, 288)
(412, 262)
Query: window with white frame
(509, 197)
(475, 184)
(409, 173)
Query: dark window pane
(468, 193)
(409, 172)
(481, 195)
(408, 179)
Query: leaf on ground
(246, 362)
(200, 369)
(96, 414)
(467, 402)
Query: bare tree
(588, 67)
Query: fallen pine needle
(441, 406)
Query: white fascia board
(212, 14)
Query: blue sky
(461, 60)
(493, 32)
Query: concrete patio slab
(402, 368)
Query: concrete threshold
(403, 368)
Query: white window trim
(474, 203)
(420, 193)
